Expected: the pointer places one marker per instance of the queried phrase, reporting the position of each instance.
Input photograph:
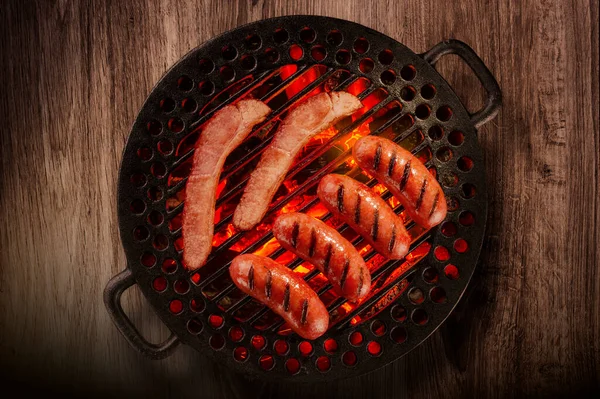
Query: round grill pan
(282, 60)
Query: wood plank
(75, 74)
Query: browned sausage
(405, 176)
(368, 214)
(223, 133)
(302, 123)
(282, 290)
(332, 254)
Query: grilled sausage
(368, 214)
(319, 244)
(221, 135)
(405, 176)
(282, 290)
(302, 123)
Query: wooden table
(74, 75)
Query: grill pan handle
(489, 83)
(112, 299)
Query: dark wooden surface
(75, 73)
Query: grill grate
(283, 61)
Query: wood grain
(75, 73)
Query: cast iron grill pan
(283, 61)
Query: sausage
(302, 123)
(405, 176)
(221, 135)
(282, 290)
(321, 245)
(368, 214)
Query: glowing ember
(302, 81)
(361, 131)
(393, 202)
(221, 187)
(418, 253)
(303, 268)
(293, 205)
(375, 262)
(379, 189)
(318, 282)
(403, 268)
(347, 307)
(358, 86)
(322, 137)
(221, 236)
(291, 185)
(176, 200)
(248, 238)
(271, 246)
(285, 258)
(364, 250)
(317, 211)
(372, 100)
(219, 214)
(287, 70)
